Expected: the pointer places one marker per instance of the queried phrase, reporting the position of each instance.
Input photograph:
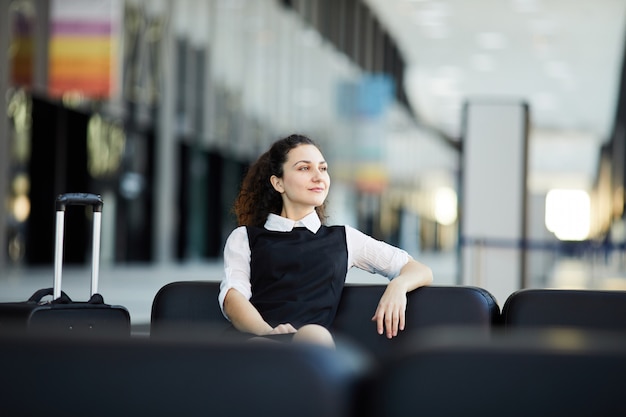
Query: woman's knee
(314, 333)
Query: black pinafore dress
(297, 277)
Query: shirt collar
(277, 223)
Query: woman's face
(305, 181)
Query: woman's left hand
(390, 313)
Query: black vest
(297, 277)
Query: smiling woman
(304, 183)
(284, 270)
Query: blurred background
(485, 137)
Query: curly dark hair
(257, 197)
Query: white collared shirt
(364, 252)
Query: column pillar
(493, 196)
(5, 40)
(166, 151)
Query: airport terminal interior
(486, 138)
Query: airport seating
(182, 306)
(131, 377)
(450, 361)
(549, 372)
(427, 307)
(187, 305)
(582, 309)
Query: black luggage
(61, 315)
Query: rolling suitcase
(61, 315)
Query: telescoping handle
(77, 199)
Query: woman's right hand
(284, 328)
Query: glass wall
(195, 91)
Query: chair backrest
(583, 309)
(170, 377)
(544, 373)
(432, 306)
(186, 305)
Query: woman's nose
(317, 174)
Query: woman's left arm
(390, 313)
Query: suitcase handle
(63, 299)
(77, 199)
(39, 294)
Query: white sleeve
(374, 256)
(236, 266)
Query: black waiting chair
(427, 307)
(187, 305)
(165, 377)
(549, 372)
(582, 309)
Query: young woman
(284, 270)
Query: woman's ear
(277, 183)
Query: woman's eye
(323, 168)
(304, 168)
